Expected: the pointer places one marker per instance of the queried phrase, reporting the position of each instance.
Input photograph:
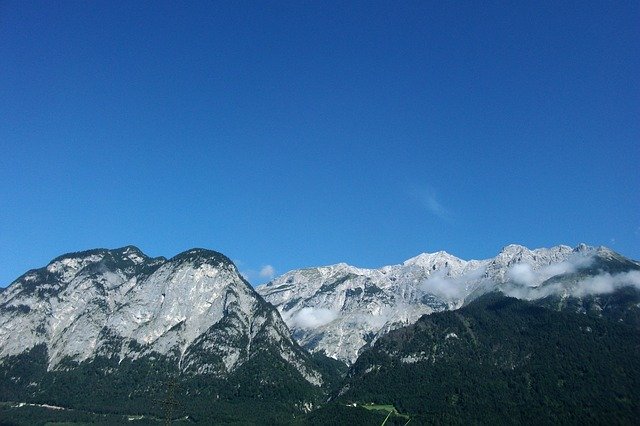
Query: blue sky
(300, 133)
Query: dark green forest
(502, 360)
(264, 390)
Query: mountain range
(340, 309)
(118, 337)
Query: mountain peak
(198, 256)
(76, 260)
(129, 250)
(428, 260)
(582, 248)
(67, 265)
(520, 252)
(513, 249)
(78, 255)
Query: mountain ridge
(340, 309)
(119, 323)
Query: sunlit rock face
(194, 308)
(341, 309)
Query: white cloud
(606, 283)
(603, 283)
(442, 287)
(379, 319)
(312, 317)
(561, 268)
(449, 288)
(267, 272)
(522, 274)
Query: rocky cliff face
(120, 304)
(341, 309)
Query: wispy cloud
(526, 283)
(522, 274)
(448, 288)
(428, 198)
(440, 285)
(599, 284)
(267, 272)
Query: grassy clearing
(382, 407)
(385, 407)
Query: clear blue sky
(304, 133)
